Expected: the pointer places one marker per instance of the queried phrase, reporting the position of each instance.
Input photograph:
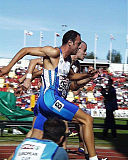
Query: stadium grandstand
(90, 98)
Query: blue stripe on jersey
(50, 78)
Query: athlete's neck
(65, 51)
(74, 57)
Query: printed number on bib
(58, 105)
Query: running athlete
(80, 55)
(76, 68)
(56, 70)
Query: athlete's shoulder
(51, 51)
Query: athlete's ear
(70, 43)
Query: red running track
(5, 152)
(111, 154)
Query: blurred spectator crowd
(9, 83)
(89, 97)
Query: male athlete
(56, 70)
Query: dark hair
(84, 42)
(70, 35)
(54, 129)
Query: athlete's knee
(83, 117)
(88, 120)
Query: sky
(88, 17)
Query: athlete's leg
(87, 126)
(81, 141)
(79, 130)
(66, 110)
(38, 126)
(29, 134)
(67, 131)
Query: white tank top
(57, 77)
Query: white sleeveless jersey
(57, 77)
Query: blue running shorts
(52, 104)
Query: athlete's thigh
(64, 108)
(82, 117)
(52, 104)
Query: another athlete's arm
(75, 85)
(79, 76)
(31, 68)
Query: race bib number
(30, 151)
(58, 105)
(64, 86)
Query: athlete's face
(81, 53)
(76, 44)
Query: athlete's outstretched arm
(34, 51)
(27, 81)
(31, 68)
(21, 80)
(37, 74)
(79, 76)
(75, 85)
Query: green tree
(116, 56)
(90, 55)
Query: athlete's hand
(90, 69)
(18, 92)
(4, 71)
(95, 75)
(92, 72)
(26, 85)
(20, 80)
